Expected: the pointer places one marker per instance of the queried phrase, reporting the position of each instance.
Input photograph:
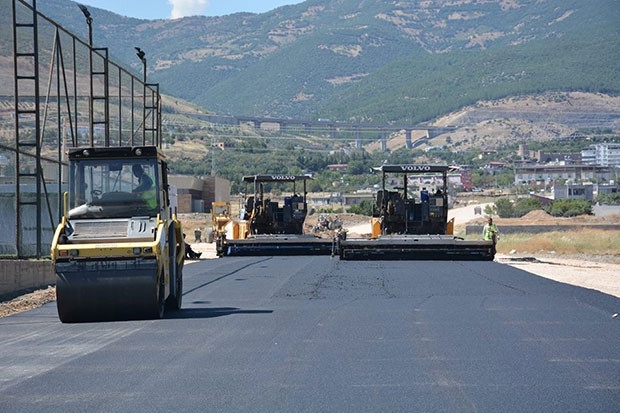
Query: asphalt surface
(314, 334)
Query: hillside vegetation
(371, 61)
(504, 73)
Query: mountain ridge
(371, 60)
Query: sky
(166, 9)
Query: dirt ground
(584, 271)
(540, 217)
(28, 301)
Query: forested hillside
(371, 60)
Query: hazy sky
(166, 9)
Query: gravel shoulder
(587, 272)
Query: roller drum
(108, 290)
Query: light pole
(140, 53)
(89, 22)
(91, 109)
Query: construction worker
(424, 196)
(425, 207)
(189, 252)
(489, 231)
(145, 188)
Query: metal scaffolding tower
(87, 97)
(27, 119)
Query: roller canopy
(136, 152)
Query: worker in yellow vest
(489, 231)
(146, 188)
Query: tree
(356, 167)
(504, 208)
(365, 207)
(482, 179)
(490, 210)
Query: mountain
(367, 60)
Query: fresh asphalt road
(316, 334)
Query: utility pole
(212, 156)
(91, 109)
(140, 53)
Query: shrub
(570, 207)
(525, 205)
(504, 208)
(609, 199)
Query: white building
(603, 154)
(541, 174)
(574, 191)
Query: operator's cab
(106, 183)
(401, 210)
(267, 216)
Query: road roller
(118, 251)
